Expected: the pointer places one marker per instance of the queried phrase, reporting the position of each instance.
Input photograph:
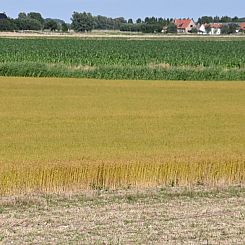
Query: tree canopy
(229, 29)
(171, 28)
(85, 22)
(7, 25)
(82, 22)
(51, 25)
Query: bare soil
(153, 216)
(113, 34)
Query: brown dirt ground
(113, 34)
(154, 216)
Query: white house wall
(215, 31)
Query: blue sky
(63, 9)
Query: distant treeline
(217, 19)
(85, 22)
(31, 21)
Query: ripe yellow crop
(71, 134)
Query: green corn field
(124, 59)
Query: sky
(63, 9)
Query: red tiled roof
(216, 25)
(182, 24)
(242, 26)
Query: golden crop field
(71, 134)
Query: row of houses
(187, 25)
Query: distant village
(85, 22)
(189, 26)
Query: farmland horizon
(121, 137)
(125, 9)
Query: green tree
(118, 22)
(22, 15)
(151, 28)
(225, 19)
(225, 29)
(51, 25)
(216, 19)
(235, 19)
(82, 22)
(172, 28)
(101, 22)
(36, 16)
(208, 29)
(7, 25)
(28, 24)
(64, 27)
(3, 16)
(233, 28)
(138, 21)
(229, 29)
(104, 23)
(130, 21)
(205, 20)
(194, 30)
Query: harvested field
(153, 216)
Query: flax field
(66, 135)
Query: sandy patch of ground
(112, 34)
